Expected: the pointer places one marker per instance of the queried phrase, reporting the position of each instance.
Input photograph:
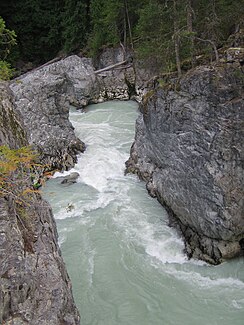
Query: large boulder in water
(71, 178)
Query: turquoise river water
(126, 265)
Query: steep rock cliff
(11, 129)
(116, 83)
(42, 98)
(34, 285)
(189, 149)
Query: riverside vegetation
(172, 34)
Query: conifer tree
(7, 41)
(75, 24)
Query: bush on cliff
(16, 166)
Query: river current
(126, 265)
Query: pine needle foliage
(7, 41)
(17, 170)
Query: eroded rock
(34, 285)
(43, 97)
(189, 149)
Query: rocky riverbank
(189, 149)
(35, 287)
(43, 97)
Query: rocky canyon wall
(189, 149)
(34, 285)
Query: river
(126, 265)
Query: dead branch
(110, 67)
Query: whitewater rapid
(126, 265)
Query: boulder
(43, 98)
(71, 178)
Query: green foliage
(105, 20)
(6, 72)
(38, 26)
(75, 24)
(16, 166)
(7, 41)
(46, 28)
(154, 32)
(212, 23)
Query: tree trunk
(176, 39)
(129, 25)
(190, 30)
(111, 67)
(213, 45)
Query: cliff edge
(189, 149)
(34, 288)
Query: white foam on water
(138, 223)
(168, 250)
(95, 134)
(62, 239)
(206, 282)
(91, 266)
(161, 243)
(102, 201)
(98, 166)
(62, 235)
(61, 174)
(63, 213)
(81, 208)
(238, 304)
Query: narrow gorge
(188, 149)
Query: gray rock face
(118, 83)
(71, 178)
(11, 129)
(125, 82)
(43, 96)
(189, 149)
(35, 288)
(34, 285)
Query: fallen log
(111, 67)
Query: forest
(172, 34)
